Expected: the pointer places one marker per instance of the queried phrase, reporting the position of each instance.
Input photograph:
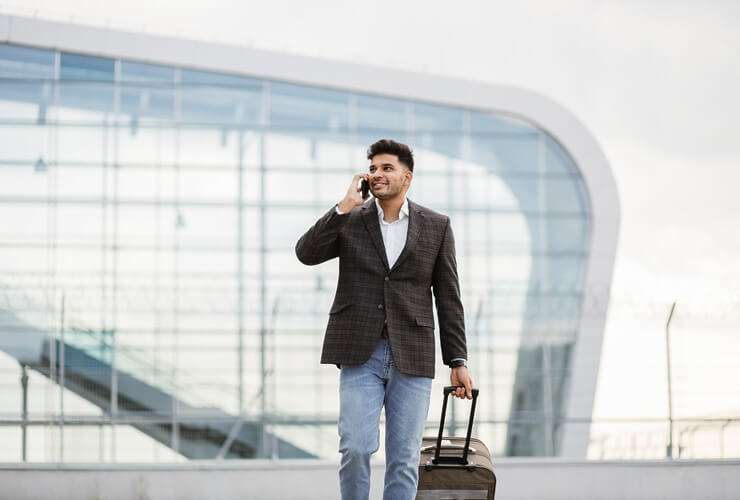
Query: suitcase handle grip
(451, 388)
(456, 460)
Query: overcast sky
(656, 82)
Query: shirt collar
(403, 213)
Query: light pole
(669, 448)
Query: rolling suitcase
(455, 468)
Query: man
(392, 253)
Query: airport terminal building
(152, 190)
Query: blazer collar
(370, 216)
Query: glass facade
(152, 306)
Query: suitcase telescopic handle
(447, 459)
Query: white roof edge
(525, 104)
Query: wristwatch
(458, 362)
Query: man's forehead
(384, 159)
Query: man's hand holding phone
(354, 197)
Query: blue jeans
(363, 390)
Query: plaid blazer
(370, 294)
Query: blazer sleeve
(446, 287)
(321, 242)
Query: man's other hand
(461, 377)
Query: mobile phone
(365, 187)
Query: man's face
(388, 176)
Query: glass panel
(438, 128)
(306, 109)
(147, 90)
(213, 99)
(211, 227)
(566, 272)
(86, 82)
(285, 151)
(564, 196)
(291, 186)
(146, 183)
(147, 226)
(29, 225)
(80, 225)
(285, 226)
(330, 187)
(565, 235)
(25, 62)
(377, 118)
(22, 180)
(147, 147)
(11, 438)
(33, 68)
(86, 68)
(207, 185)
(81, 145)
(513, 151)
(557, 160)
(26, 145)
(199, 148)
(81, 181)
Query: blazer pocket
(335, 308)
(424, 321)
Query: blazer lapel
(370, 217)
(416, 223)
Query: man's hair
(389, 146)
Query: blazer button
(387, 278)
(380, 306)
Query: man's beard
(387, 194)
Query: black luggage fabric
(455, 468)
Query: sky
(654, 81)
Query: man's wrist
(458, 362)
(345, 206)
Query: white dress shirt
(394, 234)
